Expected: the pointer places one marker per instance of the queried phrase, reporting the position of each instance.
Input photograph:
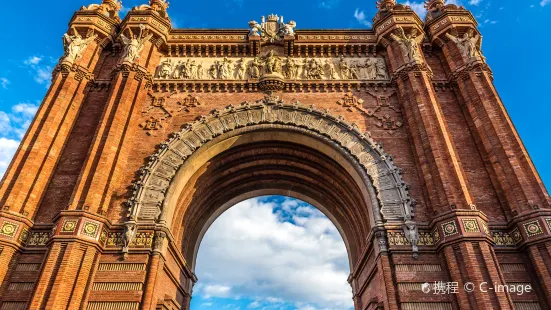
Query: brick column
(434, 147)
(518, 186)
(131, 80)
(29, 173)
(465, 244)
(67, 272)
(515, 178)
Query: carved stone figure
(255, 28)
(272, 63)
(166, 69)
(289, 28)
(331, 71)
(370, 66)
(409, 44)
(272, 29)
(240, 69)
(380, 68)
(412, 234)
(192, 69)
(74, 45)
(314, 70)
(200, 71)
(354, 71)
(467, 45)
(345, 69)
(129, 233)
(213, 70)
(134, 45)
(225, 69)
(254, 68)
(177, 70)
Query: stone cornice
(403, 71)
(464, 71)
(80, 72)
(141, 73)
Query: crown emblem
(273, 18)
(272, 28)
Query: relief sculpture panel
(291, 68)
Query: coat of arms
(272, 29)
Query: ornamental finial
(434, 5)
(159, 5)
(385, 5)
(108, 8)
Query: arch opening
(272, 252)
(270, 148)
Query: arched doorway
(272, 148)
(272, 252)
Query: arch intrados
(281, 133)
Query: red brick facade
(134, 152)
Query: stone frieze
(291, 68)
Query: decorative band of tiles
(117, 286)
(417, 267)
(121, 267)
(108, 305)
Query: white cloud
(4, 82)
(545, 2)
(456, 2)
(15, 123)
(25, 108)
(273, 255)
(5, 123)
(328, 4)
(33, 60)
(124, 10)
(216, 291)
(361, 18)
(474, 2)
(417, 7)
(7, 150)
(41, 73)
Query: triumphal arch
(397, 134)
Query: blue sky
(514, 44)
